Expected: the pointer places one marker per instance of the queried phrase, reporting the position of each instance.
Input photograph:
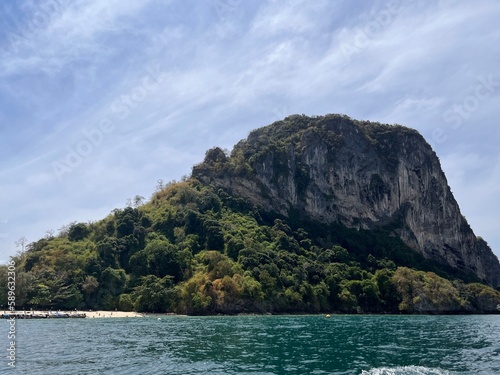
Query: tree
(21, 242)
(63, 231)
(388, 294)
(215, 156)
(159, 258)
(108, 250)
(126, 302)
(78, 232)
(155, 294)
(215, 236)
(126, 221)
(160, 185)
(111, 285)
(138, 201)
(90, 286)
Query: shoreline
(104, 314)
(86, 314)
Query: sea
(264, 345)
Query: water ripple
(368, 345)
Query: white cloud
(72, 31)
(226, 76)
(290, 17)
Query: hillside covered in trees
(195, 248)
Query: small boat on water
(59, 315)
(23, 316)
(78, 315)
(48, 315)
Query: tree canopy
(196, 250)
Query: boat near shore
(42, 315)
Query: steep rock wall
(362, 174)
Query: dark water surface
(257, 345)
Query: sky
(101, 99)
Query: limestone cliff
(364, 175)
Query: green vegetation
(196, 250)
(285, 139)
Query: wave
(406, 370)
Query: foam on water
(406, 370)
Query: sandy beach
(112, 314)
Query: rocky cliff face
(363, 174)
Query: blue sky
(100, 99)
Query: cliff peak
(362, 174)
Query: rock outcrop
(362, 174)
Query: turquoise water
(258, 345)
